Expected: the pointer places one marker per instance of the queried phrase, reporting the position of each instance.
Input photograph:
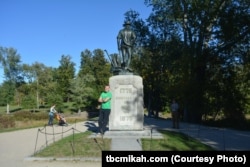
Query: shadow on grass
(174, 141)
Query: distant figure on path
(52, 114)
(125, 41)
(175, 114)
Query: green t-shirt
(104, 95)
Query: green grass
(174, 141)
(11, 109)
(78, 145)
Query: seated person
(61, 119)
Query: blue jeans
(51, 117)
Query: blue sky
(44, 30)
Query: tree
(29, 102)
(10, 60)
(187, 45)
(101, 69)
(82, 95)
(40, 80)
(86, 63)
(96, 65)
(65, 73)
(7, 91)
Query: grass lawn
(174, 141)
(82, 146)
(79, 145)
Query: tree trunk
(8, 108)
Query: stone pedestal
(127, 103)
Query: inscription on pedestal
(127, 103)
(126, 95)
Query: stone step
(125, 144)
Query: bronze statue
(125, 41)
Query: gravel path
(17, 146)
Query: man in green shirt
(105, 100)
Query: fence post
(36, 141)
(53, 134)
(46, 135)
(62, 132)
(73, 143)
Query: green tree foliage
(82, 95)
(53, 96)
(86, 63)
(47, 86)
(40, 81)
(65, 73)
(7, 91)
(45, 82)
(96, 65)
(191, 51)
(10, 60)
(29, 102)
(101, 69)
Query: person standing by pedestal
(175, 114)
(105, 100)
(52, 114)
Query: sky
(44, 30)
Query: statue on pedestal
(125, 42)
(120, 64)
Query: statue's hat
(126, 23)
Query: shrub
(7, 121)
(24, 115)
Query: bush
(7, 121)
(24, 115)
